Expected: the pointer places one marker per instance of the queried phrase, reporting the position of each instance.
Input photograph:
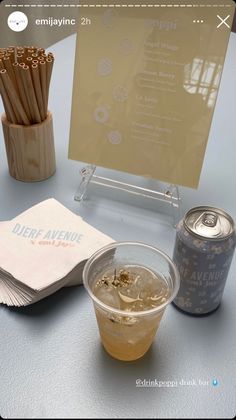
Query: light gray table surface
(52, 362)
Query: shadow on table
(205, 327)
(119, 377)
(125, 376)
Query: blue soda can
(204, 248)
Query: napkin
(42, 250)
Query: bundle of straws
(25, 74)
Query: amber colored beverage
(129, 298)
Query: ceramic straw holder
(30, 149)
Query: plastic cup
(128, 335)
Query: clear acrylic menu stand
(170, 194)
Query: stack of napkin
(42, 250)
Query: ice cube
(146, 280)
(109, 296)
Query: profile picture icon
(17, 21)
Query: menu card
(146, 80)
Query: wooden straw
(43, 82)
(22, 93)
(8, 66)
(14, 99)
(32, 47)
(15, 55)
(11, 55)
(7, 104)
(38, 90)
(31, 94)
(49, 66)
(26, 93)
(29, 53)
(19, 58)
(40, 50)
(29, 60)
(25, 53)
(25, 80)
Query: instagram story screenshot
(117, 209)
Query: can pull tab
(209, 219)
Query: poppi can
(204, 248)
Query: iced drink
(129, 299)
